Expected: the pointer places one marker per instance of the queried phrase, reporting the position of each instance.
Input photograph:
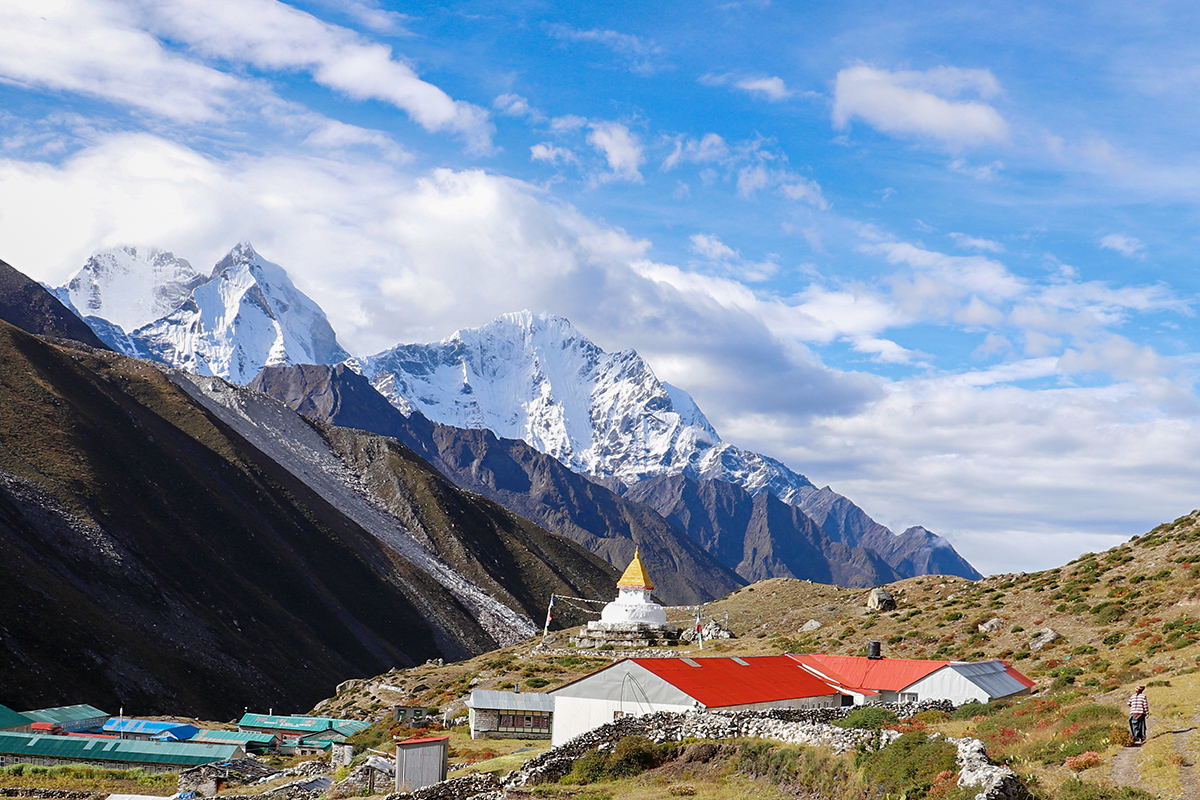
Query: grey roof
(510, 701)
(60, 714)
(130, 751)
(991, 676)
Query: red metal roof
(422, 741)
(720, 682)
(880, 674)
(1018, 677)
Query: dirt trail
(1125, 768)
(1181, 740)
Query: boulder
(991, 626)
(811, 625)
(881, 600)
(1044, 638)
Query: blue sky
(939, 257)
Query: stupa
(633, 619)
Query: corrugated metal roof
(426, 740)
(1024, 680)
(510, 701)
(720, 682)
(880, 674)
(62, 714)
(218, 737)
(117, 750)
(300, 724)
(11, 719)
(145, 727)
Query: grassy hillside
(1129, 615)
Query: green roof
(84, 748)
(62, 714)
(234, 736)
(11, 719)
(299, 724)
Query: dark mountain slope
(25, 303)
(152, 558)
(759, 536)
(916, 551)
(512, 473)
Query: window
(908, 697)
(534, 722)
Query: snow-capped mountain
(248, 314)
(537, 378)
(130, 286)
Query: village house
(26, 748)
(145, 730)
(301, 735)
(12, 721)
(638, 686)
(510, 715)
(903, 680)
(69, 719)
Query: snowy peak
(248, 315)
(535, 377)
(130, 286)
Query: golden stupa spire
(635, 576)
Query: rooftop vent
(874, 649)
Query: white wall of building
(946, 684)
(576, 715)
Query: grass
(84, 778)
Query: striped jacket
(1138, 704)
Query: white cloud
(332, 134)
(512, 105)
(1125, 245)
(270, 35)
(771, 87)
(567, 123)
(980, 172)
(751, 179)
(641, 55)
(707, 149)
(921, 104)
(621, 149)
(711, 247)
(548, 152)
(96, 49)
(974, 243)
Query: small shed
(510, 715)
(421, 762)
(72, 719)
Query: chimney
(874, 649)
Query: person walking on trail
(1139, 709)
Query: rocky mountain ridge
(526, 377)
(264, 560)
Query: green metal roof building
(11, 720)
(26, 748)
(296, 725)
(70, 718)
(251, 740)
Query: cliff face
(28, 306)
(153, 555)
(514, 474)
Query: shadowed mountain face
(759, 536)
(26, 304)
(520, 478)
(154, 557)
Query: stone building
(510, 715)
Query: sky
(938, 256)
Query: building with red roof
(893, 680)
(637, 686)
